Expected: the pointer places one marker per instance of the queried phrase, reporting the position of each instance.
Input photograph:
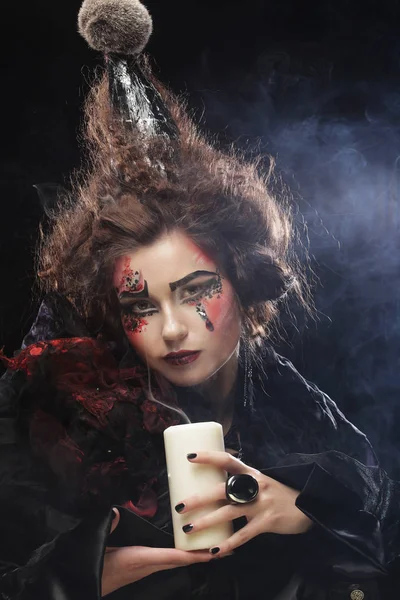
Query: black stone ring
(241, 489)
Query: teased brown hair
(133, 189)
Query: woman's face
(178, 311)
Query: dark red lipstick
(181, 358)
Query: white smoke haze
(337, 146)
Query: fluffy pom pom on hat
(115, 26)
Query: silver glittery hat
(120, 29)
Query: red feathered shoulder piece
(91, 421)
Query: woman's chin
(192, 374)
(187, 376)
(185, 379)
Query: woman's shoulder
(277, 375)
(56, 318)
(282, 390)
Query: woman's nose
(174, 329)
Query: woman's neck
(220, 390)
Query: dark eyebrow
(176, 284)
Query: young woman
(164, 275)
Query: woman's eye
(142, 306)
(192, 291)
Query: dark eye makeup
(188, 293)
(198, 290)
(140, 307)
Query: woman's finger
(216, 494)
(223, 460)
(222, 515)
(237, 539)
(143, 556)
(178, 558)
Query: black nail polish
(179, 507)
(187, 528)
(191, 456)
(215, 550)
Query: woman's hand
(273, 511)
(123, 566)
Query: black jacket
(52, 548)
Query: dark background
(315, 84)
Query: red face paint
(219, 308)
(131, 281)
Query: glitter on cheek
(203, 315)
(221, 309)
(212, 296)
(134, 324)
(201, 311)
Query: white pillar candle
(188, 479)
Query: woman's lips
(182, 358)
